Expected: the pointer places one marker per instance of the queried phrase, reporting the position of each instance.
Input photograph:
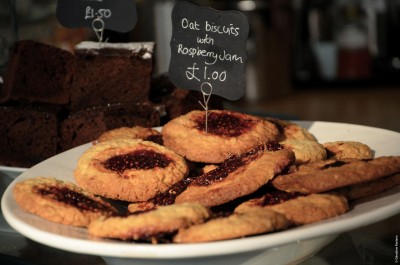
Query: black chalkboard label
(118, 15)
(208, 47)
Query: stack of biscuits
(208, 177)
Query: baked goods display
(81, 92)
(163, 197)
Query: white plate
(301, 241)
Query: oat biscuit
(337, 174)
(291, 131)
(136, 132)
(300, 209)
(252, 222)
(228, 133)
(128, 169)
(305, 151)
(236, 177)
(348, 149)
(60, 202)
(366, 189)
(148, 225)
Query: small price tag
(117, 15)
(208, 47)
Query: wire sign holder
(206, 98)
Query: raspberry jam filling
(224, 124)
(276, 197)
(233, 163)
(168, 197)
(73, 198)
(139, 159)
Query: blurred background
(327, 60)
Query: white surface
(316, 235)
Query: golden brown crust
(60, 202)
(245, 180)
(303, 209)
(292, 131)
(184, 137)
(136, 132)
(252, 222)
(348, 149)
(362, 190)
(141, 206)
(337, 174)
(131, 184)
(144, 226)
(305, 151)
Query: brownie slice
(110, 73)
(87, 125)
(37, 72)
(28, 135)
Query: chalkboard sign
(208, 47)
(117, 15)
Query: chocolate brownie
(37, 72)
(28, 135)
(111, 73)
(87, 125)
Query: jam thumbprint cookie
(348, 149)
(291, 131)
(60, 202)
(332, 174)
(299, 209)
(227, 133)
(136, 132)
(128, 169)
(237, 176)
(358, 191)
(252, 222)
(148, 226)
(305, 151)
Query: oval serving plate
(310, 238)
